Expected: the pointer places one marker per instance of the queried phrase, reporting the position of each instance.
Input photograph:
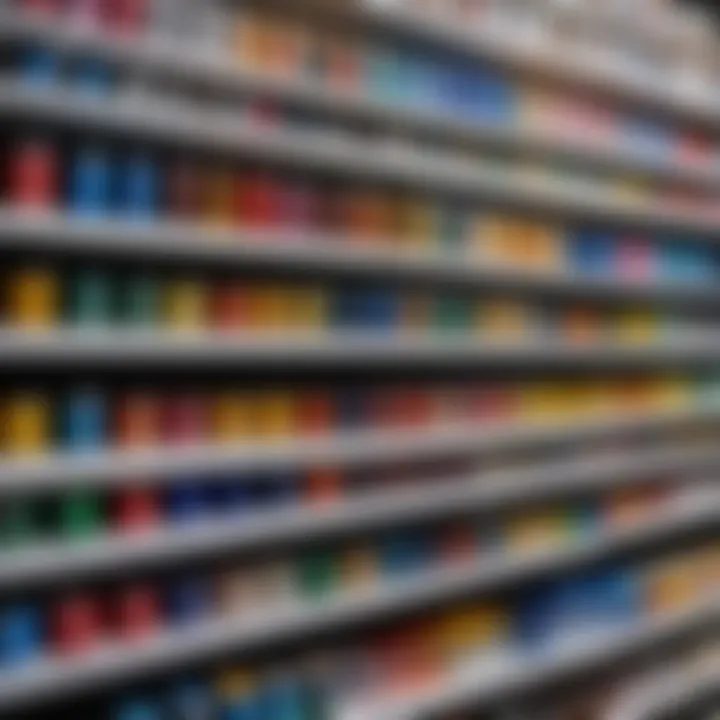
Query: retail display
(448, 184)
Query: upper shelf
(154, 57)
(367, 161)
(671, 100)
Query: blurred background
(358, 360)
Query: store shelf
(152, 56)
(490, 682)
(63, 678)
(371, 161)
(664, 99)
(450, 497)
(130, 349)
(55, 562)
(668, 695)
(63, 469)
(183, 242)
(186, 98)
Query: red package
(137, 509)
(324, 486)
(139, 611)
(186, 419)
(316, 413)
(259, 200)
(77, 624)
(459, 543)
(40, 6)
(33, 173)
(231, 306)
(138, 420)
(299, 202)
(125, 16)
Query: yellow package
(186, 304)
(235, 683)
(545, 247)
(636, 327)
(596, 398)
(419, 222)
(308, 307)
(539, 403)
(565, 400)
(492, 236)
(537, 531)
(275, 414)
(506, 320)
(33, 298)
(255, 40)
(27, 420)
(219, 197)
(270, 306)
(471, 629)
(234, 416)
(672, 585)
(632, 190)
(673, 393)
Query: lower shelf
(488, 681)
(55, 679)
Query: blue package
(592, 252)
(671, 265)
(231, 496)
(451, 88)
(383, 73)
(421, 80)
(574, 611)
(186, 501)
(136, 709)
(86, 420)
(647, 138)
(274, 490)
(21, 635)
(383, 308)
(405, 552)
(536, 618)
(39, 66)
(245, 707)
(139, 186)
(587, 519)
(683, 262)
(92, 78)
(283, 698)
(191, 700)
(90, 181)
(366, 309)
(500, 101)
(284, 488)
(477, 97)
(189, 599)
(618, 596)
